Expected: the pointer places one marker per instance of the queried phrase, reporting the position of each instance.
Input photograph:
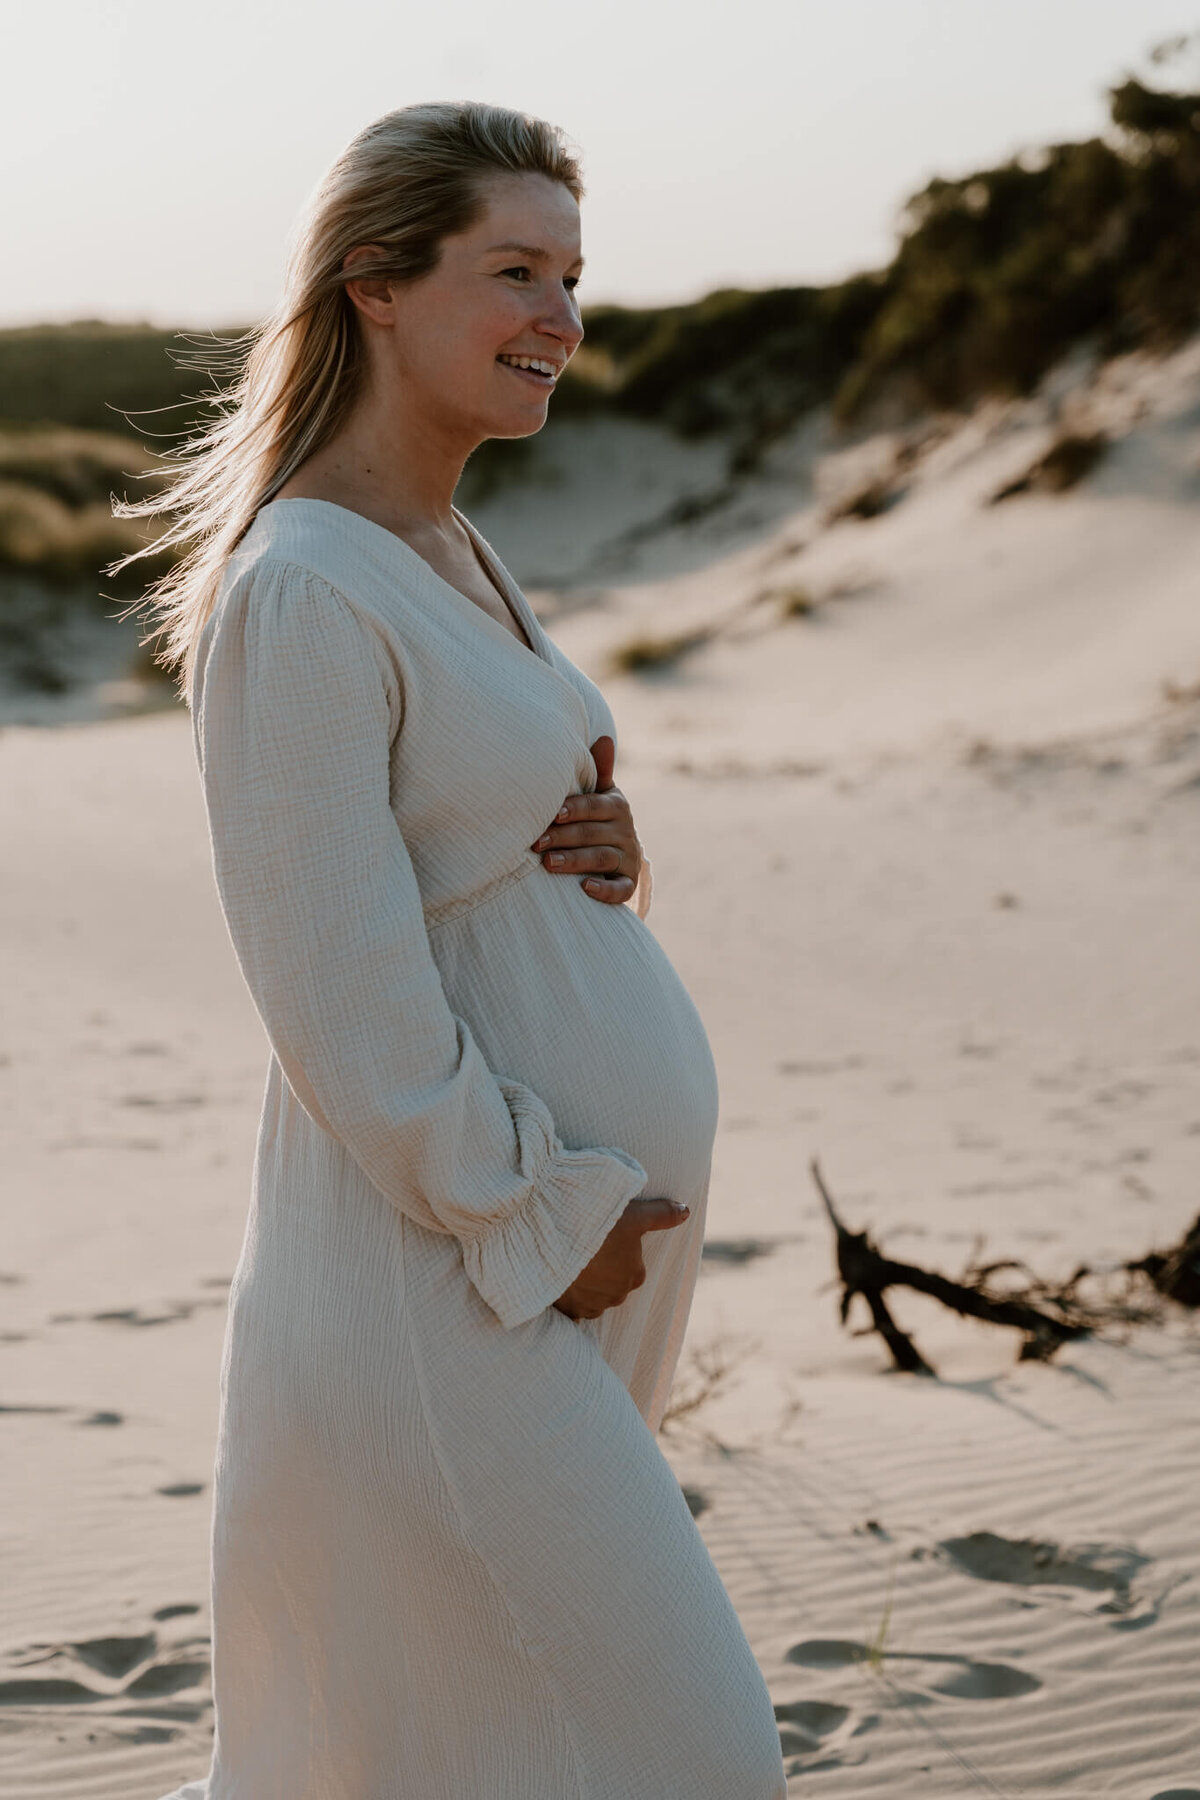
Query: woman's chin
(518, 425)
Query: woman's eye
(570, 282)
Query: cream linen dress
(450, 1561)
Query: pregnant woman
(449, 1560)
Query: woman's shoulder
(294, 576)
(286, 604)
(308, 538)
(303, 552)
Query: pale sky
(154, 154)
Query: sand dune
(943, 620)
(927, 859)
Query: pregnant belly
(579, 1001)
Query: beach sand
(927, 859)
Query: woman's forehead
(528, 213)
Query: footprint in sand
(696, 1501)
(734, 1252)
(142, 1734)
(84, 1142)
(172, 1312)
(133, 1315)
(818, 1734)
(116, 1656)
(964, 1678)
(171, 1103)
(49, 1690)
(1102, 1571)
(808, 1725)
(818, 1066)
(1176, 1794)
(164, 1678)
(64, 1671)
(111, 1657)
(180, 1490)
(96, 1418)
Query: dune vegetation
(996, 276)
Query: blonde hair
(412, 178)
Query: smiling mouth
(534, 375)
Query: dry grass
(80, 468)
(656, 655)
(1069, 458)
(874, 497)
(42, 537)
(704, 1374)
(56, 520)
(796, 603)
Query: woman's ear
(371, 294)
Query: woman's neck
(397, 470)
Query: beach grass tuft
(656, 655)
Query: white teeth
(529, 362)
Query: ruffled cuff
(643, 892)
(522, 1263)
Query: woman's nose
(562, 321)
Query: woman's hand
(593, 836)
(617, 1267)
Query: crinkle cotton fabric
(449, 1560)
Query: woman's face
(501, 291)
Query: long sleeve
(295, 706)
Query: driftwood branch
(1174, 1273)
(1048, 1316)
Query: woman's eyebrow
(529, 250)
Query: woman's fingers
(611, 890)
(587, 831)
(590, 847)
(604, 755)
(593, 836)
(618, 1267)
(584, 813)
(655, 1215)
(577, 808)
(598, 859)
(602, 859)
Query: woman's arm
(295, 708)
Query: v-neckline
(508, 590)
(499, 581)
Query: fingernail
(563, 812)
(542, 841)
(556, 862)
